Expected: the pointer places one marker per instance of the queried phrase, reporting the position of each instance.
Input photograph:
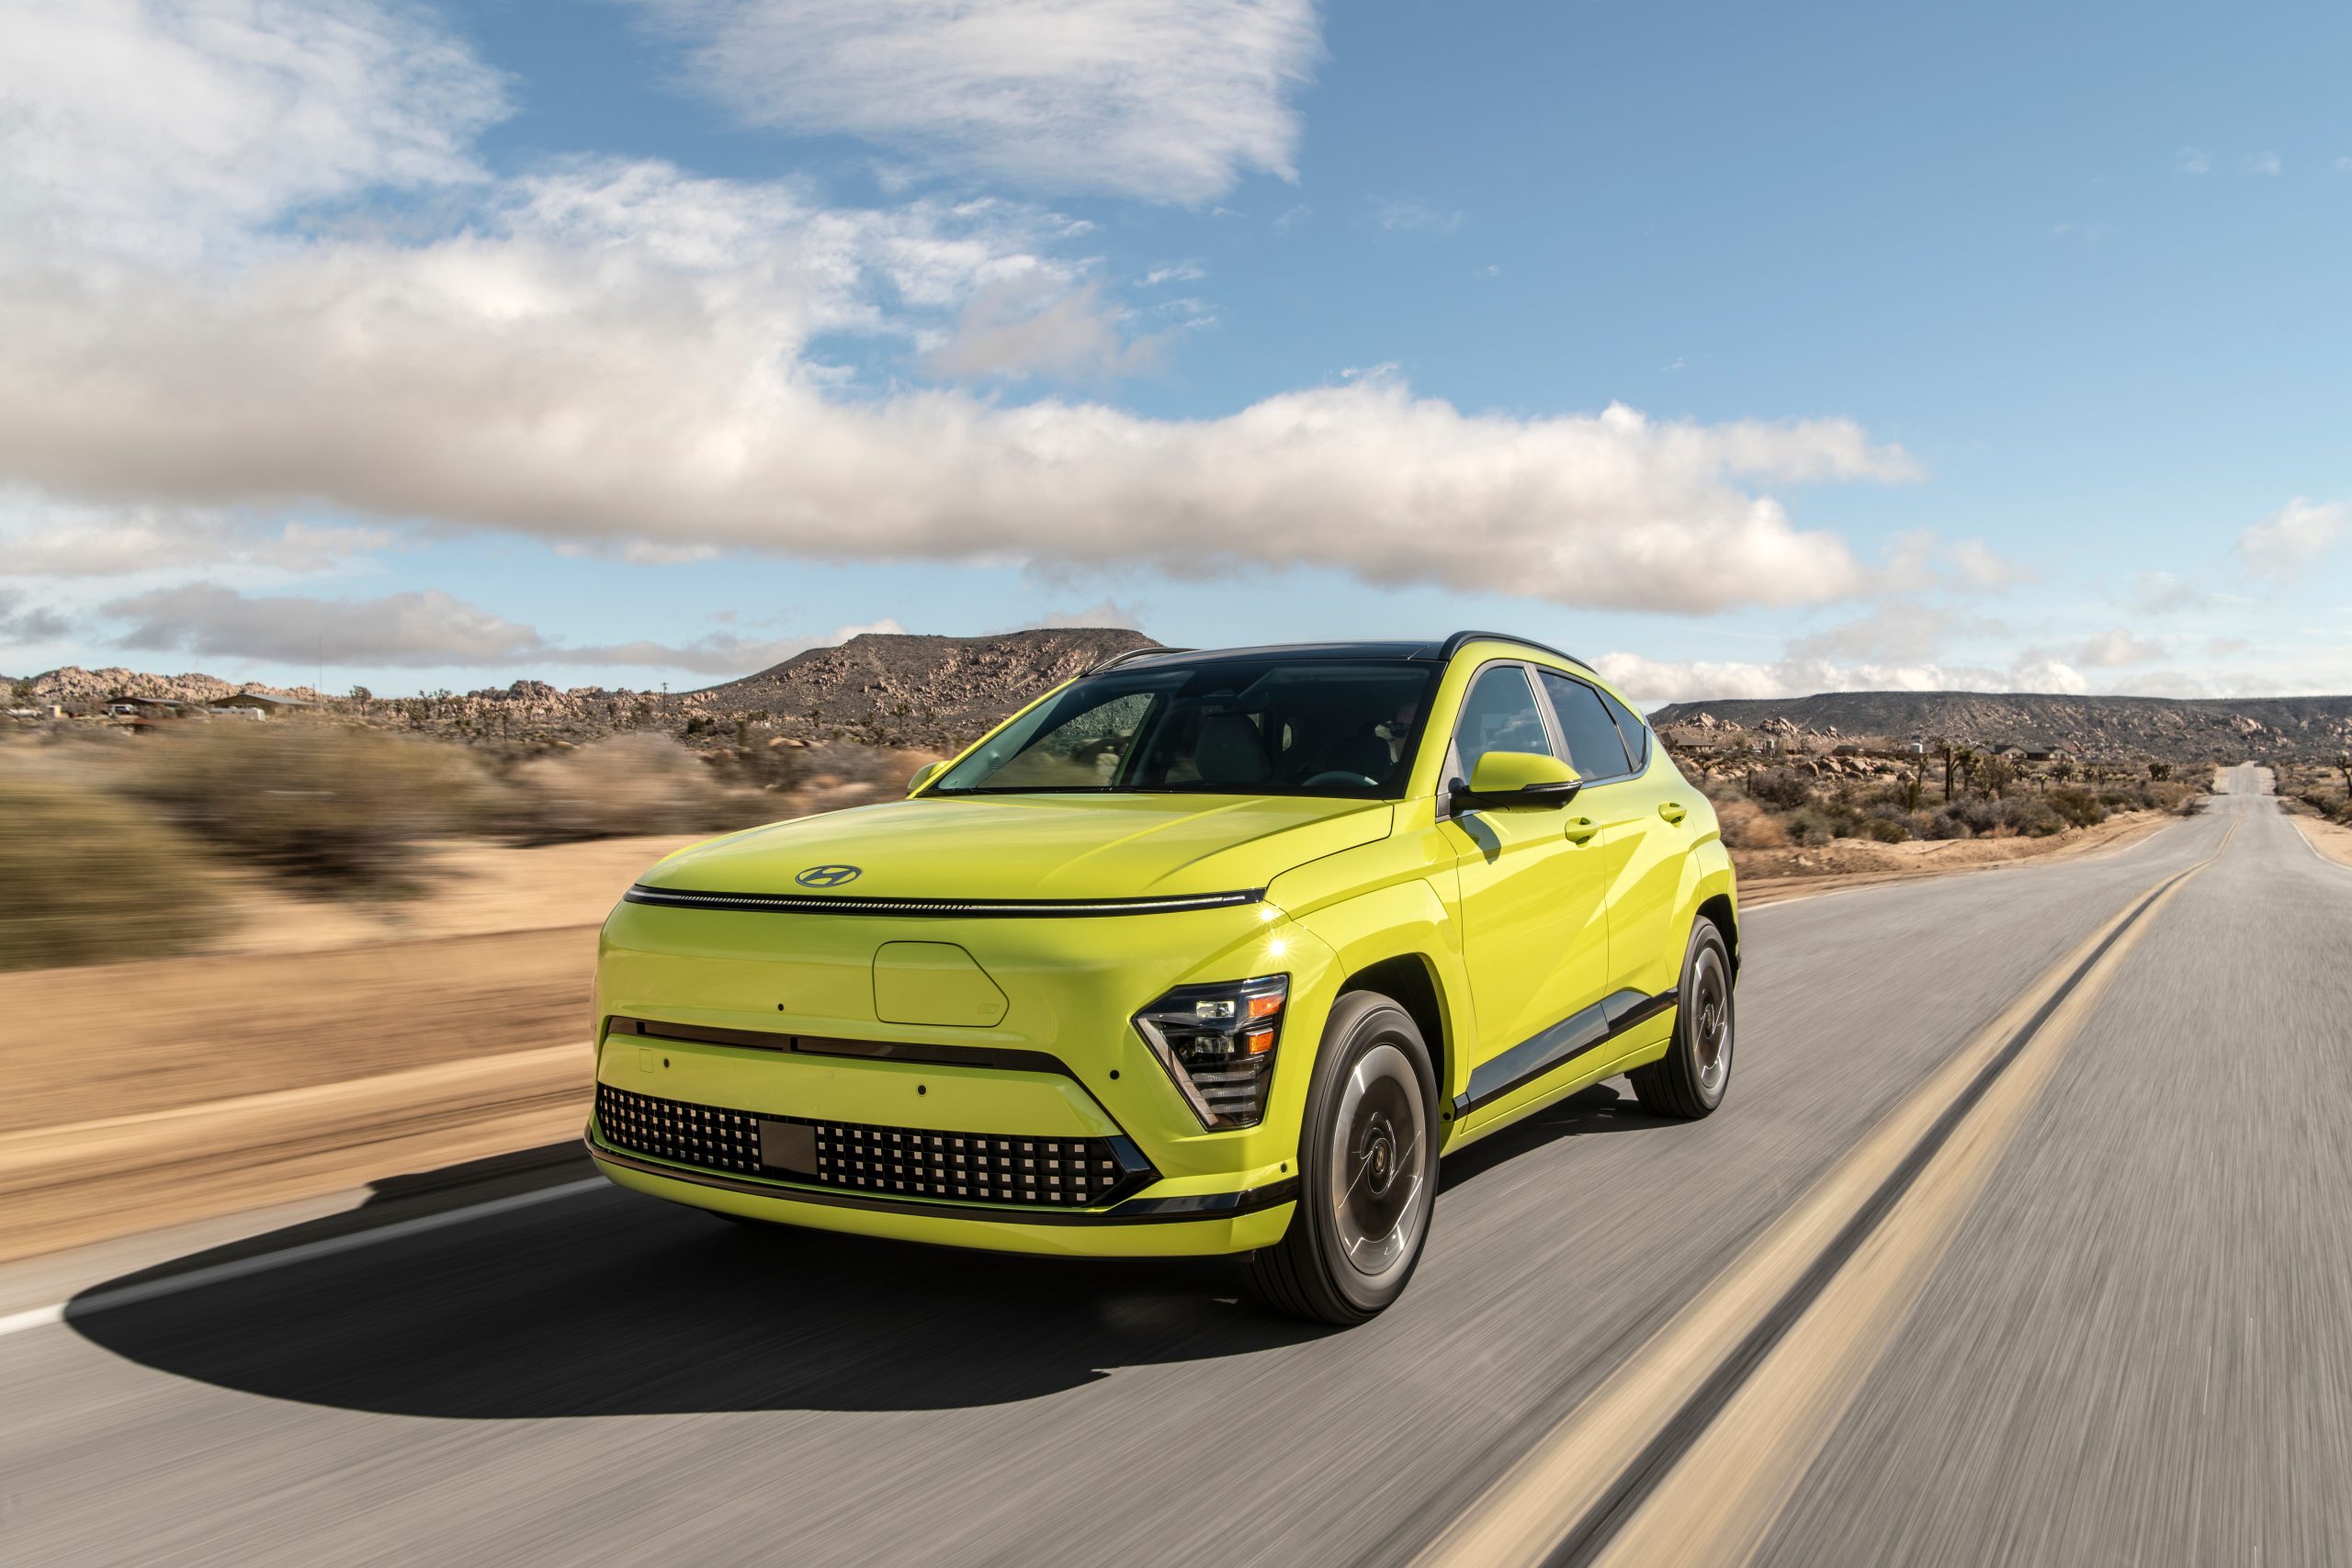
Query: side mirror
(1518, 778)
(923, 775)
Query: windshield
(1227, 728)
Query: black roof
(1437, 651)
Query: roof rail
(1121, 658)
(1455, 643)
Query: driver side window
(1499, 715)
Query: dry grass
(336, 806)
(91, 880)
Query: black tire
(1690, 1080)
(1367, 1168)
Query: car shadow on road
(1598, 1108)
(609, 1304)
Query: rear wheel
(1688, 1081)
(1367, 1167)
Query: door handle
(1673, 810)
(1579, 828)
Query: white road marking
(261, 1263)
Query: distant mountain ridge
(918, 690)
(2177, 729)
(894, 689)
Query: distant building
(257, 705)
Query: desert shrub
(1782, 787)
(1974, 812)
(94, 880)
(1747, 826)
(629, 783)
(1887, 829)
(342, 808)
(2029, 815)
(2079, 808)
(1810, 828)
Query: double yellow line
(1690, 1450)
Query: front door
(1534, 919)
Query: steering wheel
(1342, 777)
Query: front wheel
(1367, 1167)
(1688, 1081)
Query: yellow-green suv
(1200, 952)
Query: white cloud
(2267, 164)
(22, 622)
(719, 654)
(2164, 594)
(155, 123)
(41, 538)
(1182, 272)
(2117, 645)
(2298, 534)
(2195, 161)
(1169, 100)
(1917, 561)
(1651, 682)
(1414, 215)
(1103, 612)
(615, 357)
(427, 629)
(1008, 331)
(1899, 632)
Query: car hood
(1033, 846)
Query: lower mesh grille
(908, 1162)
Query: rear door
(1534, 923)
(1624, 804)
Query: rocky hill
(2099, 729)
(923, 692)
(74, 686)
(931, 693)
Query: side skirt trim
(1563, 1045)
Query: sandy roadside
(294, 1065)
(2329, 839)
(322, 1046)
(1767, 876)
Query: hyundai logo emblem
(827, 876)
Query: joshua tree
(1999, 773)
(1968, 763)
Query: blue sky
(642, 342)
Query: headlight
(1217, 1043)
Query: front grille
(894, 1162)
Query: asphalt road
(2137, 1348)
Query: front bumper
(1199, 1226)
(776, 1021)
